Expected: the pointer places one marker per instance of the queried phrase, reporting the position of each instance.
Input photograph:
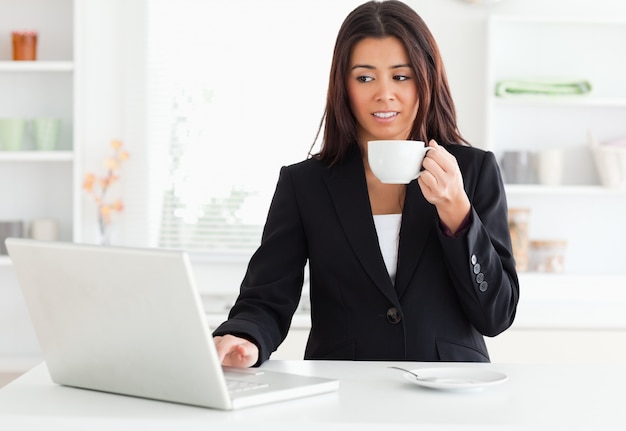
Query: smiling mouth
(384, 115)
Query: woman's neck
(384, 198)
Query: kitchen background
(210, 99)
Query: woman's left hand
(442, 185)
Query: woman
(417, 272)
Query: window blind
(235, 91)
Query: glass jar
(518, 226)
(547, 255)
(24, 45)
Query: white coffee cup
(396, 161)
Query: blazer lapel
(348, 190)
(419, 218)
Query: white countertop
(370, 396)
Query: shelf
(558, 20)
(586, 101)
(36, 66)
(536, 189)
(36, 156)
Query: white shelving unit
(39, 184)
(582, 211)
(36, 66)
(46, 190)
(37, 156)
(547, 48)
(35, 184)
(578, 191)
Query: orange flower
(89, 181)
(97, 187)
(117, 205)
(111, 164)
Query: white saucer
(456, 378)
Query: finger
(428, 182)
(237, 356)
(446, 167)
(438, 152)
(435, 163)
(432, 164)
(220, 347)
(225, 345)
(235, 351)
(242, 355)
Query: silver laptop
(130, 321)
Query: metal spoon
(445, 381)
(408, 371)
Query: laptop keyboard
(235, 385)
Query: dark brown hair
(436, 116)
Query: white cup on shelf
(550, 167)
(44, 229)
(46, 133)
(12, 131)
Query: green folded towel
(548, 88)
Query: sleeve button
(476, 268)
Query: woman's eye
(401, 77)
(364, 78)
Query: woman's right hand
(236, 352)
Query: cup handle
(420, 171)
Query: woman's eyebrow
(367, 66)
(363, 66)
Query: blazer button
(483, 286)
(393, 315)
(476, 268)
(480, 277)
(474, 259)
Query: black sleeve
(480, 261)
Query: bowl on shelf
(611, 164)
(610, 159)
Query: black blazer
(448, 293)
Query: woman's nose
(384, 91)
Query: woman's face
(382, 89)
